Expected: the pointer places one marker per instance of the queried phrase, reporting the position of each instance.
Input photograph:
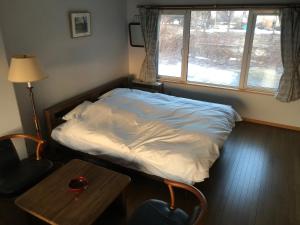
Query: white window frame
(246, 58)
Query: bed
(157, 134)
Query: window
(265, 64)
(216, 47)
(170, 45)
(230, 48)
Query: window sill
(246, 90)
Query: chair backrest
(39, 143)
(200, 210)
(8, 156)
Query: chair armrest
(190, 188)
(39, 142)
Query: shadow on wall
(181, 91)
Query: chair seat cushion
(27, 173)
(156, 212)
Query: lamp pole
(35, 117)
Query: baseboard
(294, 128)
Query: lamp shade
(24, 69)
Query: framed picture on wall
(135, 35)
(80, 24)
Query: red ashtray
(78, 184)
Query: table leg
(121, 202)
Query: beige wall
(10, 121)
(254, 106)
(73, 65)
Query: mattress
(158, 134)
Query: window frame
(246, 58)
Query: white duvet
(162, 135)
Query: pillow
(118, 91)
(107, 94)
(76, 112)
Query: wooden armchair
(17, 175)
(157, 212)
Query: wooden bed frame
(54, 114)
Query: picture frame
(135, 35)
(80, 24)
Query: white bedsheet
(167, 136)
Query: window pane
(170, 45)
(265, 65)
(217, 41)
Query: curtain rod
(219, 6)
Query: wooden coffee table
(51, 201)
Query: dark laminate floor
(256, 181)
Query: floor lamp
(25, 69)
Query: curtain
(289, 85)
(149, 25)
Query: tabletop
(53, 202)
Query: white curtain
(149, 25)
(289, 85)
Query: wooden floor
(256, 181)
(257, 178)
